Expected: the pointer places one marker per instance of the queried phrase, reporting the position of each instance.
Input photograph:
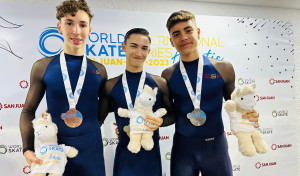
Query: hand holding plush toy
(54, 156)
(249, 138)
(138, 135)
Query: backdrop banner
(260, 50)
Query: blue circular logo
(139, 120)
(184, 77)
(64, 76)
(192, 92)
(49, 32)
(43, 150)
(78, 91)
(71, 95)
(81, 73)
(198, 97)
(131, 106)
(138, 93)
(125, 89)
(198, 79)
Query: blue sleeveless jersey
(87, 137)
(146, 163)
(211, 100)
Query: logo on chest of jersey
(212, 76)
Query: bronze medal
(72, 118)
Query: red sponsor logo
(23, 84)
(163, 137)
(260, 98)
(1, 127)
(275, 146)
(229, 133)
(259, 165)
(5, 106)
(26, 170)
(273, 81)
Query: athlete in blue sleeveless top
(146, 163)
(198, 145)
(46, 76)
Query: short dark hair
(71, 7)
(178, 17)
(141, 31)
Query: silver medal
(197, 117)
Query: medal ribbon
(127, 92)
(195, 97)
(72, 97)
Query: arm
(33, 99)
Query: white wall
(199, 8)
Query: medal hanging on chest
(197, 117)
(72, 118)
(130, 105)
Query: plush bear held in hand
(249, 138)
(54, 156)
(138, 135)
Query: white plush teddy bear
(54, 156)
(249, 138)
(138, 135)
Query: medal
(198, 116)
(72, 118)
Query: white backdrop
(261, 51)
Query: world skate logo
(280, 113)
(23, 84)
(49, 50)
(109, 141)
(168, 156)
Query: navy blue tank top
(211, 99)
(118, 97)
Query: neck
(74, 51)
(191, 56)
(134, 69)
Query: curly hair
(71, 7)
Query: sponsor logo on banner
(236, 168)
(266, 130)
(16, 106)
(261, 98)
(228, 133)
(3, 149)
(26, 170)
(164, 137)
(259, 165)
(10, 149)
(109, 141)
(50, 32)
(273, 81)
(168, 156)
(1, 127)
(244, 81)
(276, 146)
(280, 113)
(23, 84)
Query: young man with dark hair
(197, 86)
(72, 91)
(145, 162)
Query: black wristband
(28, 148)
